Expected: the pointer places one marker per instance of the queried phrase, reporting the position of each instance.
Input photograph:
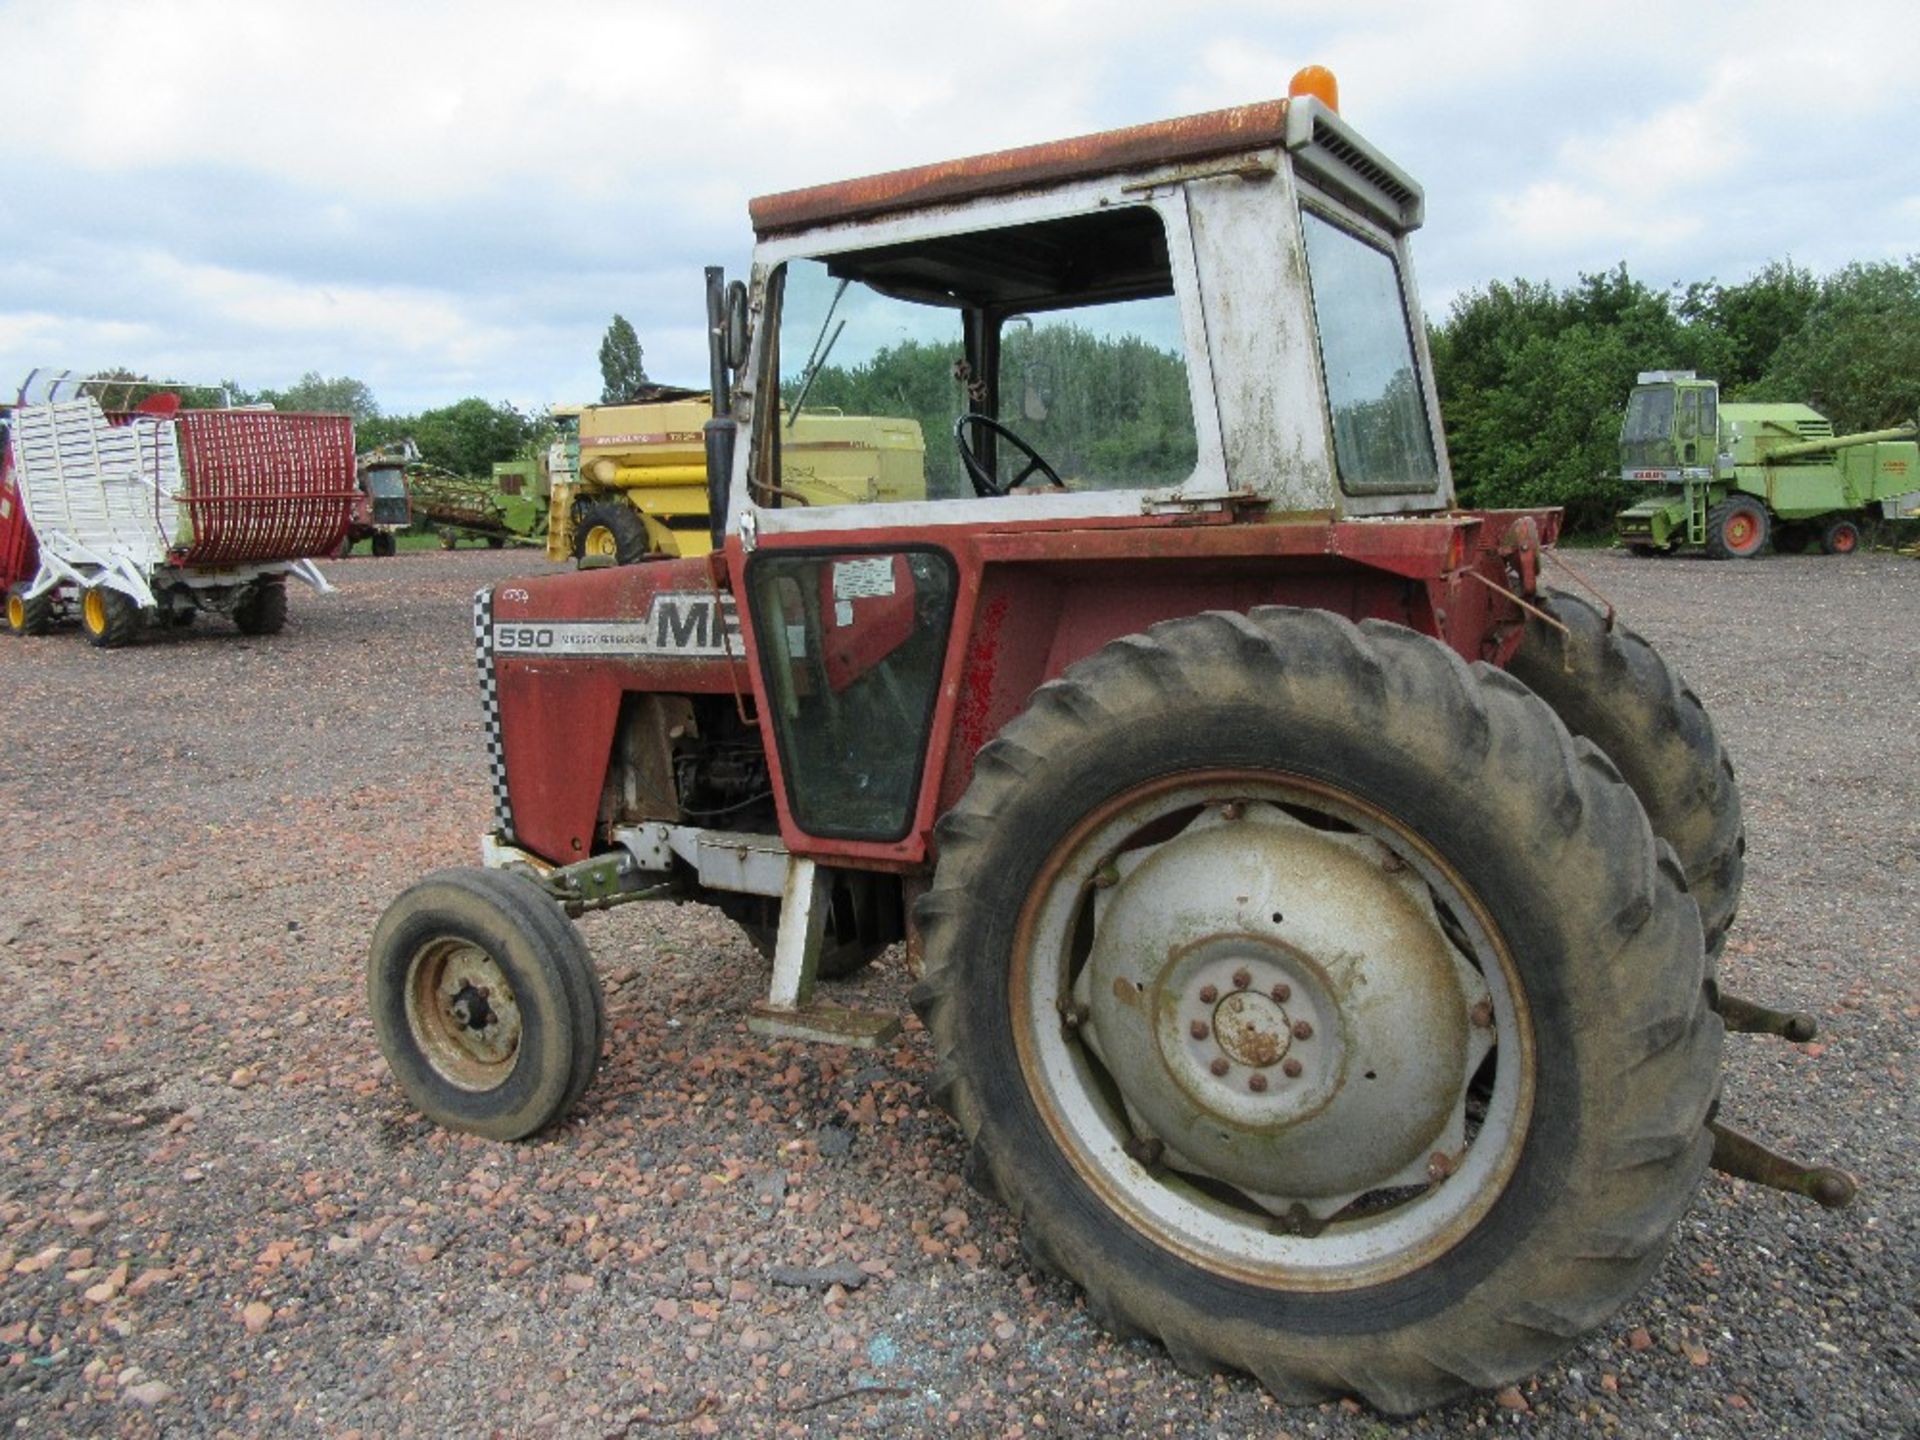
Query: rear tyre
(485, 1002)
(1840, 537)
(609, 530)
(108, 618)
(1615, 689)
(263, 610)
(383, 544)
(29, 617)
(1737, 528)
(1289, 811)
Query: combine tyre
(1477, 1050)
(1840, 537)
(1737, 528)
(609, 531)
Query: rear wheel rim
(1090, 1094)
(93, 611)
(1740, 531)
(463, 1014)
(1844, 540)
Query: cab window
(1382, 442)
(1043, 357)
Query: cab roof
(1138, 147)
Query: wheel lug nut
(1302, 1030)
(1233, 809)
(1208, 994)
(1220, 1065)
(1483, 1015)
(1439, 1167)
(1256, 1083)
(1292, 1067)
(1241, 979)
(1283, 993)
(1198, 1029)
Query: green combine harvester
(1730, 478)
(508, 509)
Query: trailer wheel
(485, 1002)
(1737, 528)
(109, 618)
(1840, 537)
(608, 529)
(1321, 1006)
(383, 544)
(29, 617)
(263, 610)
(1612, 687)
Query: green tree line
(1532, 378)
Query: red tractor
(1315, 917)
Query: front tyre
(1320, 1006)
(485, 1002)
(1737, 528)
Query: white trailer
(158, 513)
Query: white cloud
(438, 195)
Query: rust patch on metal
(1139, 147)
(1251, 1029)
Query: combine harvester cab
(158, 513)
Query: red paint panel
(19, 552)
(557, 721)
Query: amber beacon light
(1317, 81)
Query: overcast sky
(446, 199)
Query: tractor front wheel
(1737, 528)
(263, 609)
(485, 1002)
(1840, 537)
(29, 617)
(609, 530)
(1320, 1006)
(383, 544)
(109, 618)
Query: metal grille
(262, 486)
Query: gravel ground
(218, 1216)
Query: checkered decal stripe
(490, 712)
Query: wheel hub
(1281, 1007)
(463, 1014)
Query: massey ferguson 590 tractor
(1316, 917)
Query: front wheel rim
(93, 610)
(16, 612)
(601, 543)
(1096, 1084)
(463, 1014)
(1740, 531)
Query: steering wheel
(983, 482)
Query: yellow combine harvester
(639, 485)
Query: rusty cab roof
(1138, 147)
